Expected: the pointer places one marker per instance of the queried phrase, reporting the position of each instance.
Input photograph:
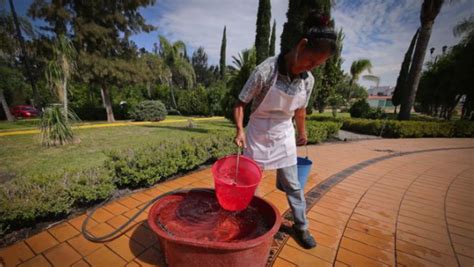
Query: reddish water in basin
(199, 216)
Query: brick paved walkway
(371, 204)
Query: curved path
(397, 202)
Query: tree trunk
(172, 98)
(66, 108)
(148, 89)
(453, 107)
(395, 110)
(415, 71)
(3, 101)
(24, 57)
(104, 91)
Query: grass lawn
(25, 124)
(23, 153)
(19, 124)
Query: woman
(280, 88)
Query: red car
(24, 111)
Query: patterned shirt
(260, 81)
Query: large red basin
(181, 251)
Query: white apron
(270, 133)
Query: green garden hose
(110, 236)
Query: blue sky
(379, 30)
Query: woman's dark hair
(317, 28)
(320, 32)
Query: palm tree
(159, 70)
(358, 67)
(61, 68)
(245, 58)
(174, 55)
(429, 11)
(465, 28)
(182, 72)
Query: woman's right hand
(240, 140)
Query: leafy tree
(24, 57)
(12, 82)
(446, 81)
(100, 32)
(222, 64)
(327, 78)
(429, 11)
(204, 74)
(194, 102)
(217, 92)
(335, 101)
(263, 30)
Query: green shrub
(409, 129)
(145, 166)
(194, 102)
(321, 131)
(149, 110)
(360, 109)
(316, 117)
(375, 113)
(89, 186)
(24, 201)
(464, 129)
(217, 92)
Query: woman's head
(313, 45)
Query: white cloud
(379, 30)
(200, 23)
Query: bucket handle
(306, 147)
(237, 165)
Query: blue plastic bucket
(304, 167)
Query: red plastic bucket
(235, 193)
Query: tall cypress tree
(271, 50)
(403, 75)
(297, 12)
(222, 60)
(263, 30)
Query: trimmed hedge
(409, 129)
(402, 129)
(321, 131)
(148, 165)
(24, 201)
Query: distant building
(384, 102)
(381, 97)
(381, 91)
